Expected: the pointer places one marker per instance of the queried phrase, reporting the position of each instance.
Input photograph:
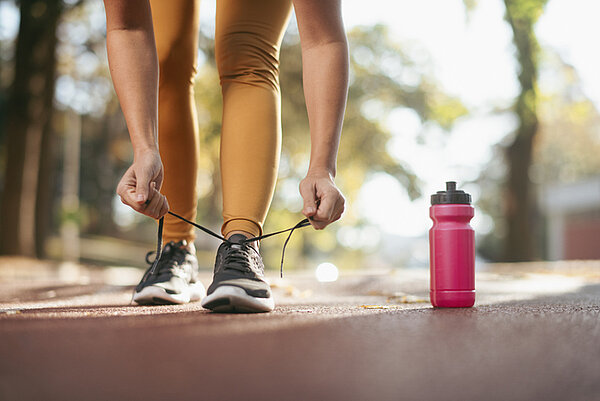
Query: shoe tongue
(237, 238)
(180, 244)
(176, 245)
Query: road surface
(70, 334)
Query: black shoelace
(302, 223)
(174, 255)
(237, 257)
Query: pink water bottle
(452, 249)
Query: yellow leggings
(247, 39)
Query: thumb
(310, 205)
(142, 185)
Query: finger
(158, 181)
(325, 210)
(308, 194)
(338, 215)
(121, 190)
(156, 203)
(126, 182)
(160, 209)
(336, 212)
(340, 206)
(165, 207)
(319, 225)
(128, 198)
(161, 200)
(151, 194)
(142, 186)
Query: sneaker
(238, 283)
(174, 280)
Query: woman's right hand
(139, 188)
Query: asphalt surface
(369, 336)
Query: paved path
(368, 336)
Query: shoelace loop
(159, 245)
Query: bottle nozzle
(451, 196)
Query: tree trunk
(28, 120)
(520, 203)
(46, 190)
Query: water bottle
(452, 249)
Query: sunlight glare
(327, 272)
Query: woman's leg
(248, 38)
(176, 31)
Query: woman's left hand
(323, 201)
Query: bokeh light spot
(327, 272)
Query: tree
(568, 143)
(28, 124)
(565, 149)
(378, 68)
(520, 207)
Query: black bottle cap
(451, 196)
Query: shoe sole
(230, 299)
(153, 295)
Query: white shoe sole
(153, 295)
(228, 298)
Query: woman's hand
(323, 201)
(139, 188)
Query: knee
(249, 59)
(177, 64)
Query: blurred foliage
(384, 76)
(525, 12)
(568, 144)
(84, 87)
(566, 148)
(379, 79)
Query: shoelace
(151, 270)
(236, 257)
(169, 250)
(159, 245)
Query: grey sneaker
(174, 280)
(238, 283)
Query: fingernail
(310, 210)
(140, 198)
